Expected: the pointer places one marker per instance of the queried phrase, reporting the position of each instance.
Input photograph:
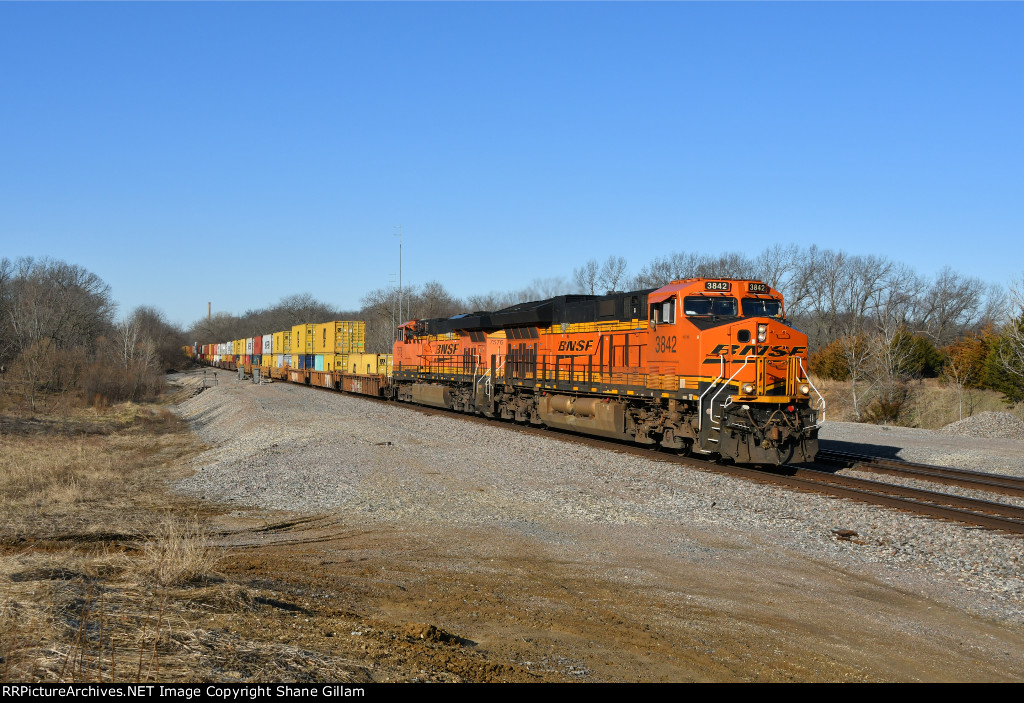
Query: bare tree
(541, 288)
(433, 300)
(1011, 348)
(586, 277)
(783, 268)
(56, 301)
(858, 352)
(495, 300)
(613, 271)
(951, 305)
(380, 312)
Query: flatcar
(709, 366)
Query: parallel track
(993, 483)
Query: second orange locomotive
(703, 365)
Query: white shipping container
(268, 344)
(248, 345)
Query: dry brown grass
(105, 575)
(87, 474)
(178, 555)
(92, 545)
(932, 404)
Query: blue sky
(242, 152)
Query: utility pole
(399, 235)
(394, 315)
(208, 310)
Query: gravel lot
(948, 593)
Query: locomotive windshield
(761, 307)
(701, 305)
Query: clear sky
(240, 152)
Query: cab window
(762, 307)
(703, 305)
(664, 313)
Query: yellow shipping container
(369, 363)
(335, 362)
(302, 339)
(350, 336)
(281, 343)
(238, 347)
(359, 363)
(339, 337)
(323, 338)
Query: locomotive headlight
(762, 332)
(804, 389)
(748, 389)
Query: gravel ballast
(285, 447)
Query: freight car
(701, 365)
(709, 366)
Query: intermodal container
(268, 344)
(350, 337)
(362, 363)
(249, 345)
(340, 336)
(318, 362)
(302, 339)
(335, 362)
(282, 342)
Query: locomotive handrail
(700, 400)
(810, 383)
(746, 360)
(487, 375)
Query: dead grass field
(931, 405)
(105, 575)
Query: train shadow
(881, 451)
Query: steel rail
(993, 483)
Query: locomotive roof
(536, 313)
(567, 308)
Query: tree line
(59, 338)
(871, 321)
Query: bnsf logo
(755, 350)
(579, 346)
(446, 348)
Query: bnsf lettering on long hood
(769, 350)
(447, 348)
(581, 345)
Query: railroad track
(971, 511)
(993, 483)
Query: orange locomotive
(702, 365)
